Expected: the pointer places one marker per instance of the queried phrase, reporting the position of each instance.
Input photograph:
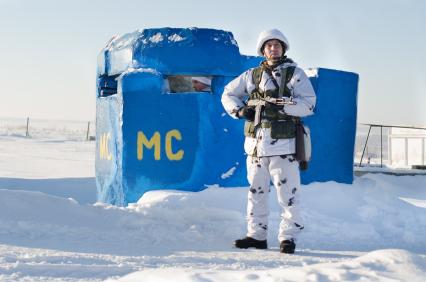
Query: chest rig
(269, 106)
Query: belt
(267, 123)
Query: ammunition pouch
(280, 129)
(249, 129)
(283, 129)
(274, 112)
(269, 107)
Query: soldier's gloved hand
(246, 112)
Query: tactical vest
(282, 125)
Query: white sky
(48, 48)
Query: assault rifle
(264, 101)
(258, 105)
(303, 139)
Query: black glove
(246, 112)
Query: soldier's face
(273, 49)
(198, 86)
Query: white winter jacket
(237, 91)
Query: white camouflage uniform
(272, 158)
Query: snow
(120, 60)
(123, 41)
(380, 265)
(140, 70)
(158, 37)
(175, 38)
(234, 42)
(229, 173)
(25, 158)
(51, 228)
(311, 72)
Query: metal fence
(376, 145)
(391, 146)
(39, 128)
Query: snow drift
(52, 230)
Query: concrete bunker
(152, 137)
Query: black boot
(249, 242)
(287, 246)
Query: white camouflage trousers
(284, 173)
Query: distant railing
(376, 147)
(381, 126)
(39, 128)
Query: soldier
(201, 83)
(271, 98)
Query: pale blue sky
(48, 48)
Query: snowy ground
(51, 229)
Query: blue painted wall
(148, 139)
(333, 127)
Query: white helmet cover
(203, 79)
(268, 35)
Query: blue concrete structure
(148, 138)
